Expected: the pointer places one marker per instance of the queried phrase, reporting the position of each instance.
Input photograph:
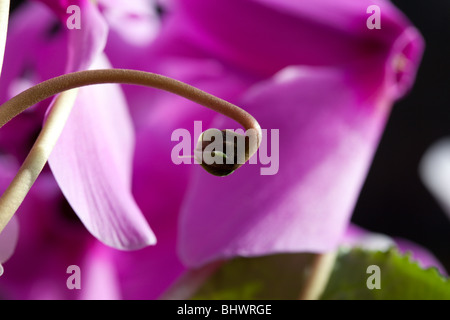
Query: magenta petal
(30, 49)
(265, 36)
(136, 22)
(154, 269)
(328, 135)
(92, 164)
(358, 237)
(434, 171)
(100, 278)
(425, 258)
(93, 159)
(84, 44)
(8, 241)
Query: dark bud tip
(221, 152)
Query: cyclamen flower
(103, 133)
(52, 51)
(435, 172)
(310, 69)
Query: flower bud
(221, 152)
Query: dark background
(393, 200)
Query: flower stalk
(67, 85)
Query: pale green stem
(16, 192)
(319, 275)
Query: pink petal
(155, 176)
(59, 7)
(8, 240)
(265, 36)
(92, 164)
(47, 228)
(87, 43)
(330, 119)
(135, 22)
(358, 237)
(100, 279)
(148, 273)
(328, 135)
(434, 172)
(31, 47)
(10, 234)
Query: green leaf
(400, 278)
(270, 277)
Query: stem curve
(38, 156)
(56, 85)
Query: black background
(393, 200)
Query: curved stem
(38, 156)
(69, 81)
(49, 88)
